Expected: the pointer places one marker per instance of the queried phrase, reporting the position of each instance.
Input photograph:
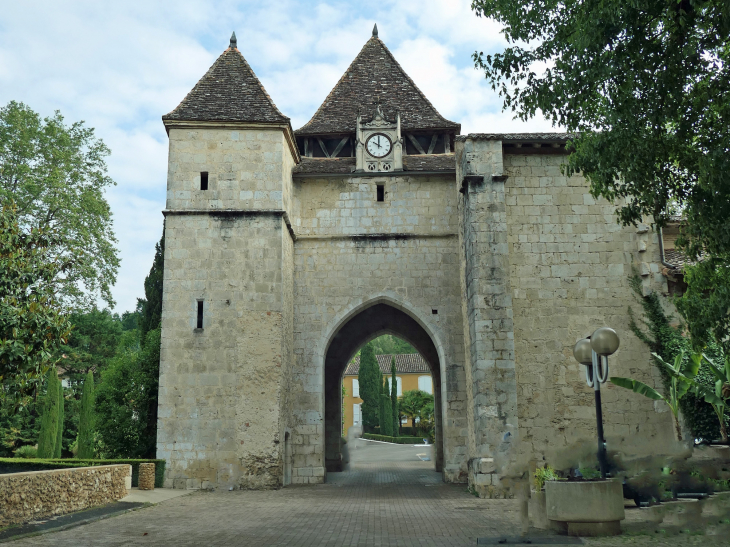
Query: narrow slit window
(204, 180)
(381, 192)
(200, 314)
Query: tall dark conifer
(368, 378)
(59, 430)
(394, 398)
(386, 416)
(151, 306)
(49, 419)
(85, 441)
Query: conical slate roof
(229, 91)
(375, 74)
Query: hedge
(395, 440)
(21, 465)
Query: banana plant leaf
(637, 387)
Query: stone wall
(42, 494)
(351, 252)
(569, 268)
(247, 168)
(544, 265)
(223, 387)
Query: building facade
(412, 372)
(286, 250)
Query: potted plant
(585, 504)
(537, 510)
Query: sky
(119, 66)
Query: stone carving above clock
(379, 146)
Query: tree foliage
(386, 414)
(368, 378)
(92, 343)
(32, 324)
(126, 399)
(48, 434)
(151, 306)
(57, 175)
(419, 407)
(654, 328)
(85, 441)
(646, 85)
(387, 344)
(394, 399)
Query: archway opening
(363, 327)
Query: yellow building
(411, 371)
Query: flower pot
(585, 508)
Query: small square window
(204, 180)
(381, 192)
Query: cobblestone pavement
(388, 497)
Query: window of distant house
(424, 384)
(398, 385)
(204, 180)
(355, 388)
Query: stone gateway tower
(287, 250)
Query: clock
(378, 145)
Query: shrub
(26, 451)
(49, 421)
(544, 474)
(395, 440)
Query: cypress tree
(59, 431)
(394, 399)
(151, 305)
(49, 420)
(386, 417)
(85, 440)
(368, 378)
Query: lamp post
(593, 352)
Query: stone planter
(585, 508)
(537, 511)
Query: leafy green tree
(418, 406)
(58, 446)
(645, 86)
(48, 434)
(57, 175)
(151, 306)
(654, 328)
(680, 383)
(126, 398)
(85, 441)
(92, 343)
(32, 323)
(394, 399)
(387, 344)
(368, 378)
(386, 415)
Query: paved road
(388, 497)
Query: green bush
(20, 465)
(395, 440)
(26, 451)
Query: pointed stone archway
(369, 322)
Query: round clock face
(378, 145)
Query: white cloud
(121, 66)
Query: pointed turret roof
(375, 74)
(229, 91)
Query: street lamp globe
(604, 341)
(582, 352)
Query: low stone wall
(40, 494)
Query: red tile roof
(411, 363)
